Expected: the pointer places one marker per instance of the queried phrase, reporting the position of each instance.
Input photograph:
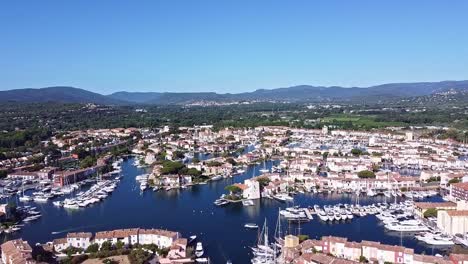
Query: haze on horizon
(229, 47)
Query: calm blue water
(192, 212)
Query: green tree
(231, 161)
(87, 162)
(263, 181)
(119, 244)
(138, 256)
(106, 246)
(454, 180)
(365, 174)
(93, 248)
(171, 167)
(356, 152)
(431, 212)
(363, 259)
(233, 189)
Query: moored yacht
(199, 249)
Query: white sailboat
(24, 198)
(264, 170)
(264, 253)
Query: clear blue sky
(229, 46)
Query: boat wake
(71, 229)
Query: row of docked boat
(333, 213)
(419, 195)
(139, 162)
(399, 217)
(95, 194)
(435, 238)
(142, 181)
(296, 214)
(348, 211)
(28, 214)
(221, 201)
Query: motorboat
(40, 198)
(282, 197)
(25, 198)
(251, 225)
(406, 227)
(370, 192)
(57, 203)
(247, 203)
(199, 249)
(221, 202)
(217, 177)
(337, 216)
(322, 215)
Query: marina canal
(191, 211)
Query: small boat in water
(25, 198)
(282, 197)
(217, 177)
(199, 249)
(57, 203)
(221, 202)
(247, 203)
(251, 225)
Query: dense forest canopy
(27, 124)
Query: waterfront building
(332, 249)
(62, 178)
(127, 236)
(161, 238)
(459, 191)
(23, 175)
(178, 249)
(132, 236)
(421, 207)
(17, 251)
(252, 190)
(79, 240)
(60, 244)
(453, 221)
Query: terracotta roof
(430, 259)
(461, 185)
(17, 251)
(81, 234)
(427, 205)
(59, 241)
(335, 239)
(119, 233)
(241, 186)
(459, 257)
(458, 213)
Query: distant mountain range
(301, 93)
(57, 94)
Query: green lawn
(358, 121)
